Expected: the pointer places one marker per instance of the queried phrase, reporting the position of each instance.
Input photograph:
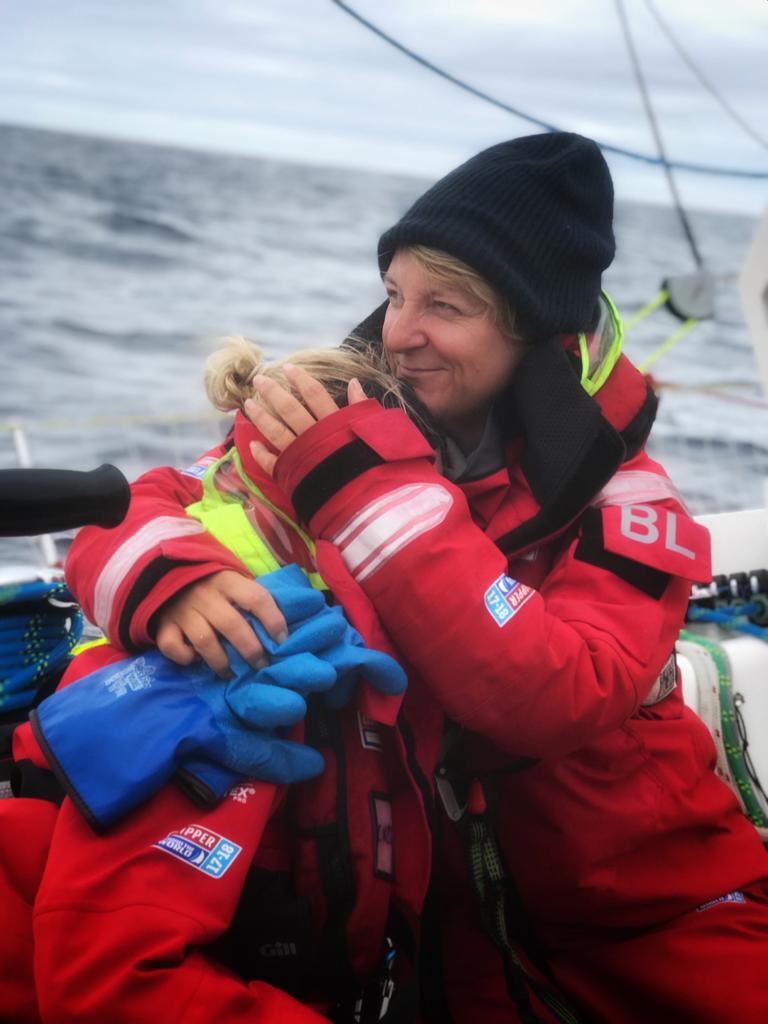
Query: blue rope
(731, 617)
(40, 624)
(656, 161)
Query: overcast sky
(301, 79)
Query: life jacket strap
(470, 803)
(492, 886)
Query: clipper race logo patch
(201, 849)
(505, 597)
(198, 469)
(730, 897)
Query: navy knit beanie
(533, 216)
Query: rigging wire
(680, 165)
(651, 115)
(702, 79)
(713, 391)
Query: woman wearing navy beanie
(530, 566)
(536, 583)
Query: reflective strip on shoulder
(123, 559)
(635, 487)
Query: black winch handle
(37, 501)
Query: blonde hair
(450, 271)
(229, 373)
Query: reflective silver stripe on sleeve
(124, 558)
(390, 523)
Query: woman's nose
(402, 329)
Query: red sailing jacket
(554, 652)
(169, 914)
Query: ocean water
(121, 264)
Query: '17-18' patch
(201, 849)
(505, 597)
(200, 468)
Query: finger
(315, 635)
(298, 414)
(171, 642)
(233, 627)
(265, 706)
(270, 426)
(295, 761)
(284, 761)
(296, 598)
(283, 404)
(303, 673)
(314, 395)
(355, 392)
(258, 601)
(263, 457)
(202, 637)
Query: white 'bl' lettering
(640, 523)
(671, 540)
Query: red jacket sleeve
(539, 673)
(120, 920)
(123, 575)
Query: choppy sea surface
(122, 263)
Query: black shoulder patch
(329, 476)
(591, 549)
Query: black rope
(741, 729)
(703, 81)
(680, 165)
(687, 229)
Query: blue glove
(328, 634)
(205, 782)
(116, 736)
(353, 661)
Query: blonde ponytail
(229, 373)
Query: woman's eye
(445, 307)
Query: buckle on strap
(448, 797)
(664, 684)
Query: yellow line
(641, 314)
(667, 345)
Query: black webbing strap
(333, 473)
(434, 1000)
(334, 861)
(31, 782)
(490, 882)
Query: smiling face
(440, 339)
